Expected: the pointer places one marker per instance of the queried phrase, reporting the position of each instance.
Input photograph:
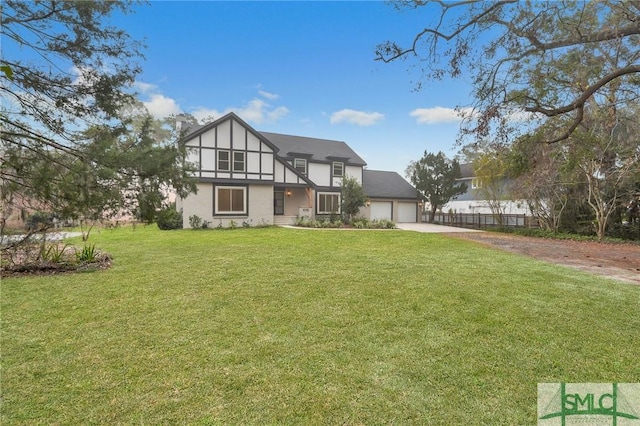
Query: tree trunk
(432, 213)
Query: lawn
(288, 326)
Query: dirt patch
(619, 261)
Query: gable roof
(194, 130)
(289, 146)
(383, 184)
(466, 171)
(323, 150)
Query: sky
(301, 68)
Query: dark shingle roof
(314, 149)
(382, 184)
(466, 170)
(188, 128)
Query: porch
(289, 203)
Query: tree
(552, 60)
(609, 165)
(434, 175)
(352, 197)
(540, 177)
(75, 73)
(144, 163)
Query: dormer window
(300, 164)
(337, 168)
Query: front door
(278, 202)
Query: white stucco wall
(320, 174)
(199, 204)
(293, 202)
(354, 171)
(260, 205)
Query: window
(476, 183)
(223, 160)
(300, 164)
(338, 168)
(238, 161)
(328, 203)
(231, 200)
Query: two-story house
(474, 199)
(259, 178)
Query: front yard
(264, 326)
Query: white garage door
(380, 210)
(407, 212)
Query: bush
(87, 254)
(169, 218)
(360, 223)
(625, 231)
(39, 220)
(196, 222)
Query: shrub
(382, 224)
(87, 254)
(39, 220)
(360, 223)
(196, 222)
(54, 253)
(169, 218)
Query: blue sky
(302, 68)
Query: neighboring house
(473, 200)
(252, 177)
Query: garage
(380, 210)
(407, 212)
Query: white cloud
(202, 113)
(522, 116)
(438, 115)
(268, 95)
(359, 118)
(145, 87)
(161, 106)
(258, 111)
(255, 111)
(83, 76)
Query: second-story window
(338, 168)
(238, 161)
(300, 164)
(223, 160)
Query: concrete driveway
(429, 227)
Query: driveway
(51, 236)
(432, 228)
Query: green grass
(288, 326)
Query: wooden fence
(484, 220)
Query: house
(252, 177)
(474, 199)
